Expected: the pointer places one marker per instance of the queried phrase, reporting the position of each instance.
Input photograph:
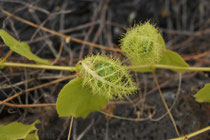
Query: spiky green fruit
(106, 76)
(143, 44)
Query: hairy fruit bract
(143, 44)
(106, 76)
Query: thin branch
(66, 37)
(27, 105)
(132, 68)
(175, 100)
(164, 102)
(64, 68)
(186, 137)
(70, 127)
(8, 55)
(34, 88)
(170, 67)
(125, 118)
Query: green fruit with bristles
(104, 69)
(106, 76)
(143, 44)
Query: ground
(185, 28)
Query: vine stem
(8, 55)
(64, 68)
(170, 67)
(164, 102)
(132, 68)
(70, 127)
(192, 134)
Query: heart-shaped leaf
(17, 130)
(204, 94)
(78, 100)
(21, 48)
(174, 59)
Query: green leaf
(16, 130)
(204, 94)
(174, 59)
(78, 100)
(21, 48)
(32, 136)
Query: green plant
(100, 78)
(16, 130)
(204, 94)
(143, 45)
(21, 48)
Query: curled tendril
(143, 44)
(106, 76)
